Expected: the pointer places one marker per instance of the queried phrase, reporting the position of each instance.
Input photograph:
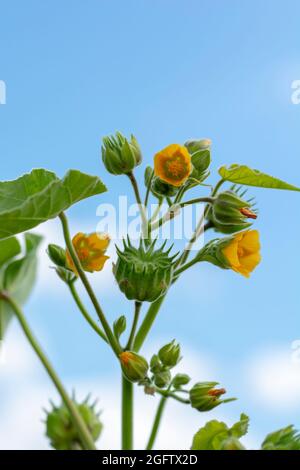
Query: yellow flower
(173, 164)
(242, 252)
(90, 250)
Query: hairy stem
(109, 334)
(135, 187)
(78, 422)
(137, 310)
(147, 323)
(157, 421)
(84, 312)
(127, 414)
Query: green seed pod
(61, 431)
(230, 213)
(134, 366)
(144, 274)
(170, 354)
(204, 397)
(120, 156)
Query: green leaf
(9, 248)
(216, 435)
(208, 437)
(241, 174)
(240, 428)
(284, 439)
(41, 195)
(18, 279)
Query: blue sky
(167, 71)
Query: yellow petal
(231, 253)
(250, 241)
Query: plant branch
(157, 421)
(137, 310)
(147, 323)
(84, 312)
(109, 334)
(127, 414)
(140, 204)
(78, 422)
(148, 190)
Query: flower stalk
(78, 422)
(109, 334)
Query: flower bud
(57, 255)
(200, 161)
(155, 364)
(144, 274)
(134, 366)
(180, 379)
(119, 326)
(163, 378)
(120, 156)
(59, 258)
(230, 212)
(61, 431)
(204, 397)
(195, 145)
(170, 354)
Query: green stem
(109, 334)
(141, 206)
(137, 310)
(156, 423)
(155, 306)
(186, 266)
(84, 312)
(209, 200)
(157, 209)
(127, 414)
(166, 393)
(147, 323)
(199, 227)
(148, 190)
(78, 422)
(172, 212)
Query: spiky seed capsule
(144, 274)
(61, 431)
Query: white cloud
(274, 379)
